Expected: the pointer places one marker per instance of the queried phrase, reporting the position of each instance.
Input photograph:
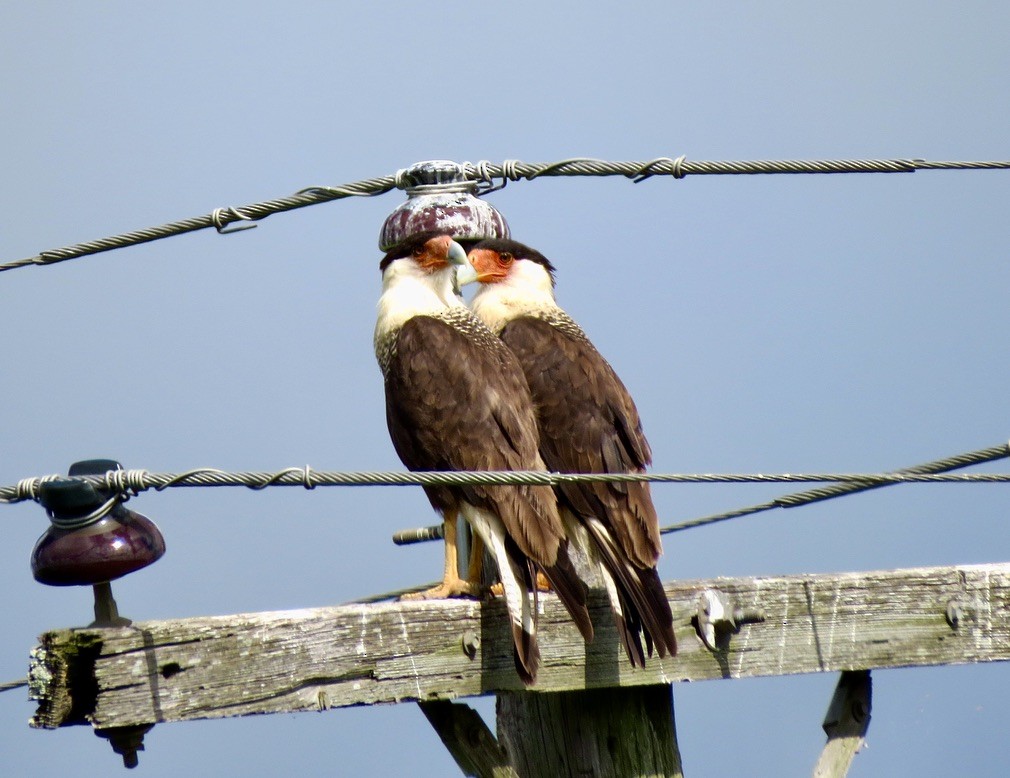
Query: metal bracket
(717, 618)
(470, 643)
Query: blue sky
(786, 323)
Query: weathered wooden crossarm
(391, 652)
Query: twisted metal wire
(125, 483)
(483, 174)
(219, 219)
(926, 471)
(132, 482)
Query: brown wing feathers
(457, 404)
(588, 423)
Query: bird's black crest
(407, 246)
(519, 251)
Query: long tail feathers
(637, 599)
(518, 584)
(571, 591)
(526, 651)
(629, 626)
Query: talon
(454, 588)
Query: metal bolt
(959, 610)
(126, 741)
(715, 617)
(718, 618)
(470, 643)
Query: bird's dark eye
(505, 258)
(418, 251)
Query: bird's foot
(455, 587)
(543, 585)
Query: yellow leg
(475, 568)
(452, 585)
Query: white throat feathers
(527, 290)
(409, 291)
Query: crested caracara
(456, 399)
(588, 424)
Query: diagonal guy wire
(929, 471)
(11, 685)
(915, 472)
(482, 173)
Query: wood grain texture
(605, 733)
(319, 658)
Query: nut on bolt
(470, 643)
(959, 611)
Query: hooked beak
(483, 265)
(465, 272)
(456, 254)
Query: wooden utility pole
(598, 732)
(184, 669)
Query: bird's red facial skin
(434, 254)
(491, 266)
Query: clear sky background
(775, 323)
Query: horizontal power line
(131, 482)
(928, 471)
(140, 480)
(484, 174)
(127, 482)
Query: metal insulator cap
(69, 497)
(440, 197)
